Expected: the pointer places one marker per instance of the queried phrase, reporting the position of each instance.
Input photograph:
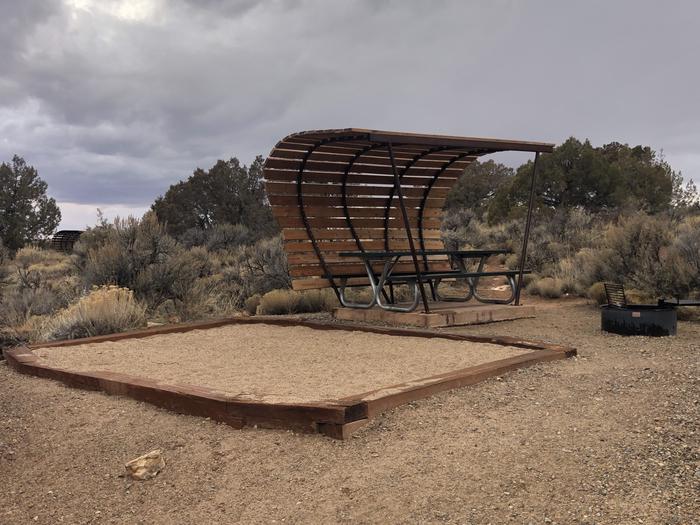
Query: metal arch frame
(378, 287)
(344, 195)
(407, 225)
(434, 286)
(408, 166)
(395, 190)
(397, 185)
(302, 210)
(426, 194)
(406, 222)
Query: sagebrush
(105, 310)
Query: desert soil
(610, 437)
(278, 364)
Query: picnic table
(387, 261)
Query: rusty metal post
(528, 223)
(407, 225)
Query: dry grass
(105, 310)
(33, 285)
(548, 287)
(35, 268)
(597, 292)
(251, 304)
(281, 302)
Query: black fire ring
(639, 319)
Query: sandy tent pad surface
(278, 364)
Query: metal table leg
(489, 300)
(469, 280)
(375, 290)
(386, 273)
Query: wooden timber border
(335, 418)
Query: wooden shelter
(342, 195)
(63, 240)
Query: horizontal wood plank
(325, 222)
(318, 200)
(292, 247)
(445, 180)
(357, 269)
(283, 188)
(358, 167)
(320, 211)
(332, 257)
(316, 283)
(299, 234)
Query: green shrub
(105, 310)
(255, 269)
(116, 253)
(634, 249)
(4, 263)
(682, 261)
(177, 283)
(19, 304)
(228, 237)
(180, 277)
(220, 237)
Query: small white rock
(147, 466)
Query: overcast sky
(113, 101)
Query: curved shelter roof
(336, 190)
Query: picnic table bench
(360, 207)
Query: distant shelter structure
(64, 240)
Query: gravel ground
(608, 437)
(279, 364)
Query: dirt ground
(610, 437)
(279, 364)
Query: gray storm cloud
(112, 101)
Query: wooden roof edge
(399, 137)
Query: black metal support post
(407, 225)
(528, 223)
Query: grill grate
(615, 294)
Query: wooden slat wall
(369, 188)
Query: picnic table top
(406, 253)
